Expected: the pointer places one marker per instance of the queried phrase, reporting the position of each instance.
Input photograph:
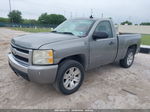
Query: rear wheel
(70, 77)
(129, 59)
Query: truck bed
(125, 40)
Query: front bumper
(38, 74)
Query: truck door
(103, 51)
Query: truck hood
(34, 41)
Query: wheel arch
(134, 46)
(78, 57)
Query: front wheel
(129, 59)
(70, 77)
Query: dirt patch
(107, 87)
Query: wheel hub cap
(130, 58)
(72, 78)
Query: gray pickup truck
(62, 56)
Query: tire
(129, 59)
(69, 78)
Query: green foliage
(145, 23)
(15, 16)
(51, 19)
(126, 23)
(43, 18)
(30, 21)
(5, 20)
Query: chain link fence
(2, 24)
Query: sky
(136, 11)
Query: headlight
(43, 57)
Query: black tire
(124, 62)
(63, 67)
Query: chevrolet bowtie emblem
(14, 51)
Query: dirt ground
(107, 87)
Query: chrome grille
(21, 54)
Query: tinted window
(104, 27)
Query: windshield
(75, 27)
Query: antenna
(71, 15)
(64, 13)
(91, 14)
(102, 15)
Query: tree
(126, 23)
(51, 19)
(43, 18)
(15, 16)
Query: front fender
(68, 48)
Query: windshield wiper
(67, 33)
(63, 32)
(54, 31)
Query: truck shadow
(89, 76)
(27, 94)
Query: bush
(30, 21)
(5, 20)
(126, 23)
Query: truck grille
(21, 54)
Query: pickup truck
(62, 57)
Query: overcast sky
(134, 10)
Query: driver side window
(105, 26)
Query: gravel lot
(106, 87)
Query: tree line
(15, 16)
(130, 23)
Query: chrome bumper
(38, 74)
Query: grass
(33, 30)
(146, 39)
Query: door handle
(111, 43)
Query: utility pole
(10, 9)
(9, 5)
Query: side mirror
(100, 35)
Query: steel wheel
(71, 78)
